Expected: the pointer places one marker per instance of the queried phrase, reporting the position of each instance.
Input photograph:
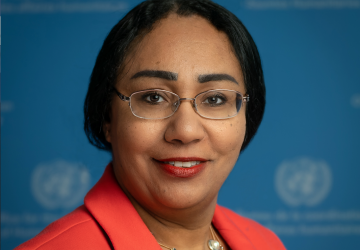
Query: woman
(176, 93)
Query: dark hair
(138, 22)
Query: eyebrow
(216, 77)
(167, 75)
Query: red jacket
(108, 220)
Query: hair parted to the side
(139, 21)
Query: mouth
(182, 164)
(182, 167)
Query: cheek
(135, 136)
(227, 137)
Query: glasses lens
(153, 104)
(218, 104)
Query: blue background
(311, 60)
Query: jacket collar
(231, 233)
(114, 212)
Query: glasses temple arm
(246, 98)
(121, 96)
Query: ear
(106, 130)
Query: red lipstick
(182, 172)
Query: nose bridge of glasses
(192, 100)
(187, 99)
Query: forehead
(188, 46)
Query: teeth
(181, 164)
(178, 164)
(186, 164)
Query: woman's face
(189, 47)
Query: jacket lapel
(116, 215)
(230, 232)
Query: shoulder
(76, 230)
(260, 236)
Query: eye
(153, 98)
(215, 100)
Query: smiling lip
(182, 172)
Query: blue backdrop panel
(300, 176)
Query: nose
(185, 126)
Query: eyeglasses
(161, 104)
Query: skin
(178, 211)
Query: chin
(184, 197)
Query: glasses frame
(244, 98)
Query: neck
(179, 228)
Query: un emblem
(59, 184)
(303, 181)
